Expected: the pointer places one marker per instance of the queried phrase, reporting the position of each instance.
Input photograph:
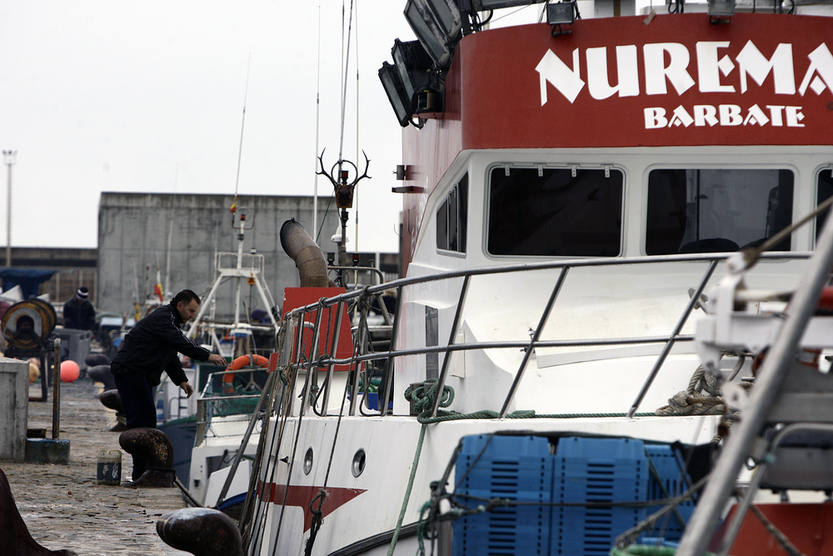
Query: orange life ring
(250, 360)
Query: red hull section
(809, 527)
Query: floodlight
(721, 10)
(413, 64)
(401, 103)
(562, 13)
(437, 25)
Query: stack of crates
(596, 470)
(579, 470)
(515, 467)
(667, 464)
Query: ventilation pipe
(312, 268)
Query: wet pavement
(62, 505)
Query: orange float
(250, 360)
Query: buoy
(34, 369)
(69, 371)
(244, 361)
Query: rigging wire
(242, 127)
(344, 81)
(356, 193)
(317, 126)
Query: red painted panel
(299, 297)
(809, 527)
(503, 71)
(762, 79)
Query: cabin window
(823, 192)
(571, 212)
(716, 210)
(451, 218)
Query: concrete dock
(62, 505)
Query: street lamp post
(9, 158)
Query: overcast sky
(109, 95)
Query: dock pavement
(62, 505)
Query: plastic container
(108, 467)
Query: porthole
(308, 461)
(358, 462)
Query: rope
(423, 394)
(407, 491)
(442, 416)
(691, 401)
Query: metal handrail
(530, 267)
(328, 361)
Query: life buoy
(250, 360)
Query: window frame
(443, 202)
(610, 166)
(685, 164)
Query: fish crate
(516, 468)
(596, 471)
(573, 501)
(669, 480)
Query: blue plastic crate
(514, 467)
(583, 469)
(668, 466)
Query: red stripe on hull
(303, 495)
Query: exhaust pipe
(312, 268)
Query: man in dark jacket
(150, 348)
(79, 313)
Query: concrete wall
(14, 406)
(134, 231)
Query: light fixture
(721, 11)
(413, 64)
(438, 25)
(392, 83)
(561, 13)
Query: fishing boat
(576, 193)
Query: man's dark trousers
(137, 398)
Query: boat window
(555, 211)
(823, 192)
(716, 210)
(451, 218)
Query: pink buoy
(69, 371)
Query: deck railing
(304, 355)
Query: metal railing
(304, 354)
